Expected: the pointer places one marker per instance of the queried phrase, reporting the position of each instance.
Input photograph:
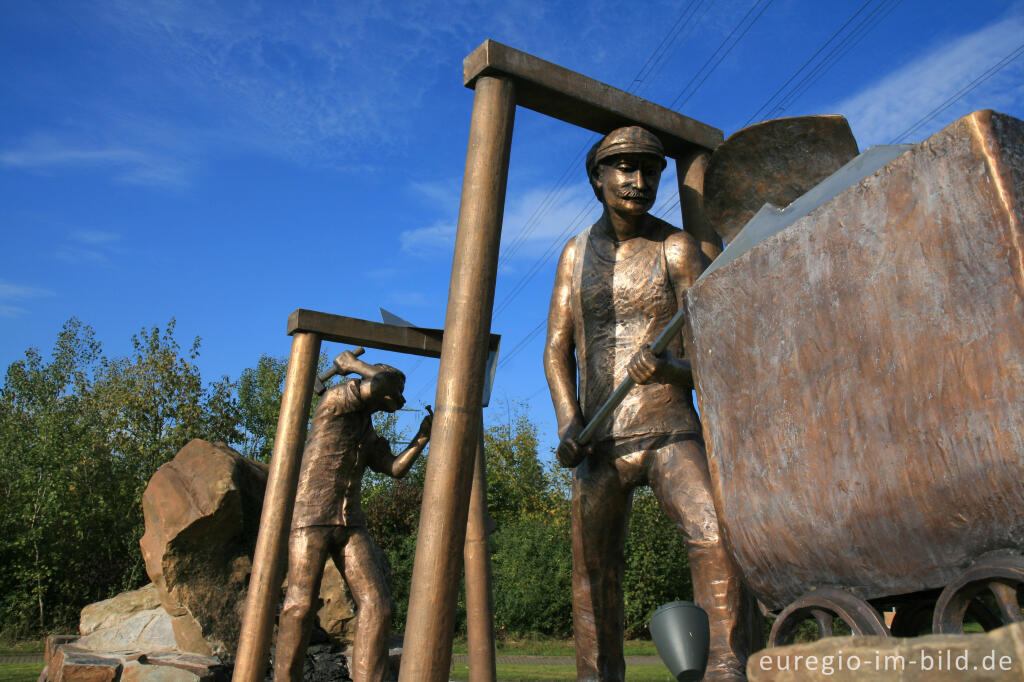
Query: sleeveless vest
(618, 307)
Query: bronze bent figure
(328, 517)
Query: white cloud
(12, 295)
(89, 246)
(886, 109)
(78, 254)
(44, 151)
(429, 241)
(330, 83)
(36, 155)
(95, 236)
(537, 222)
(542, 219)
(533, 221)
(411, 299)
(443, 193)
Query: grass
(20, 672)
(529, 646)
(636, 673)
(554, 647)
(28, 646)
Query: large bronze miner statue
(617, 285)
(328, 517)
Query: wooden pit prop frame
(502, 78)
(308, 329)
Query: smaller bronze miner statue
(328, 517)
(617, 285)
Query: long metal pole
(479, 598)
(442, 532)
(269, 557)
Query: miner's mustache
(635, 194)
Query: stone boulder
(131, 621)
(202, 513)
(72, 663)
(996, 655)
(337, 615)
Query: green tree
(259, 404)
(392, 508)
(531, 564)
(517, 484)
(50, 435)
(80, 436)
(154, 401)
(530, 551)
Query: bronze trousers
(352, 550)
(676, 469)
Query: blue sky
(224, 164)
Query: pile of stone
(202, 512)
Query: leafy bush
(657, 570)
(531, 564)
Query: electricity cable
(679, 100)
(958, 95)
(805, 64)
(835, 55)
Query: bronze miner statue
(328, 517)
(617, 285)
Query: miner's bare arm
(560, 360)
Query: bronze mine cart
(861, 383)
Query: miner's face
(386, 392)
(628, 183)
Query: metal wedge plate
(772, 162)
(771, 219)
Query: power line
(835, 55)
(522, 343)
(549, 252)
(548, 201)
(806, 64)
(838, 51)
(959, 94)
(639, 78)
(666, 56)
(544, 259)
(543, 207)
(676, 103)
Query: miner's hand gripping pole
(658, 347)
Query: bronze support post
(479, 599)
(442, 532)
(271, 546)
(690, 176)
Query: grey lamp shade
(681, 635)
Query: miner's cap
(627, 140)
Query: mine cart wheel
(999, 576)
(821, 605)
(915, 618)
